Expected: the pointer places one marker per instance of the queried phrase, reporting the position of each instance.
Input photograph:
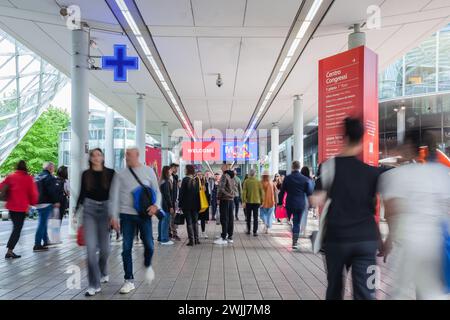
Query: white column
(401, 125)
(109, 138)
(140, 127)
(79, 116)
(289, 156)
(357, 38)
(298, 130)
(165, 144)
(275, 146)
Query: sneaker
(92, 292)
(205, 235)
(230, 240)
(40, 248)
(149, 274)
(104, 279)
(167, 243)
(221, 242)
(255, 234)
(12, 255)
(127, 287)
(295, 247)
(197, 242)
(190, 243)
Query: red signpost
(348, 86)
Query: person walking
(214, 200)
(352, 237)
(175, 189)
(269, 201)
(297, 188)
(21, 193)
(49, 198)
(204, 216)
(96, 218)
(124, 183)
(277, 183)
(252, 198)
(416, 214)
(304, 221)
(237, 194)
(189, 201)
(225, 194)
(167, 205)
(58, 213)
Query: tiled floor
(261, 267)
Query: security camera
(64, 12)
(219, 81)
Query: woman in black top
(189, 202)
(351, 237)
(94, 196)
(167, 205)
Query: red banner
(201, 151)
(153, 158)
(348, 86)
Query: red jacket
(22, 191)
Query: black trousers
(237, 201)
(361, 257)
(252, 209)
(17, 219)
(191, 224)
(227, 218)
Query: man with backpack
(48, 187)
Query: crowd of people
(346, 190)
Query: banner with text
(348, 87)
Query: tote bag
(80, 236)
(203, 199)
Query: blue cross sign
(120, 63)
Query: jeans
(96, 230)
(267, 216)
(252, 210)
(296, 217)
(227, 218)
(163, 228)
(17, 219)
(192, 224)
(237, 201)
(357, 255)
(172, 226)
(130, 223)
(41, 231)
(213, 207)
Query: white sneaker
(168, 243)
(230, 241)
(221, 242)
(127, 287)
(104, 279)
(150, 274)
(92, 292)
(205, 235)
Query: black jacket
(167, 201)
(189, 197)
(175, 187)
(297, 187)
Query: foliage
(40, 144)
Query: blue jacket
(298, 187)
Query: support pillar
(140, 127)
(109, 138)
(275, 146)
(165, 144)
(298, 130)
(289, 156)
(79, 111)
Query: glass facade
(27, 85)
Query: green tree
(40, 144)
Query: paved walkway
(257, 268)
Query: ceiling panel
(437, 4)
(219, 55)
(397, 7)
(166, 12)
(228, 13)
(271, 13)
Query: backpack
(42, 190)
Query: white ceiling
(241, 39)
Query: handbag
(280, 212)
(143, 198)
(327, 177)
(203, 199)
(179, 219)
(4, 193)
(446, 259)
(80, 236)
